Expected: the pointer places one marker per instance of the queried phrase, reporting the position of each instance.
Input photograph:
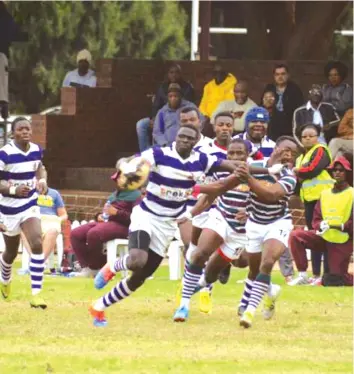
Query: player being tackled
(174, 170)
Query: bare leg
(185, 230)
(272, 250)
(214, 266)
(49, 242)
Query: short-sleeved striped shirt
(265, 213)
(18, 167)
(171, 179)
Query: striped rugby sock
(120, 264)
(246, 293)
(259, 288)
(118, 293)
(36, 272)
(191, 277)
(5, 271)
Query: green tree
(58, 30)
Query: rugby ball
(133, 174)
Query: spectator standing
(166, 123)
(313, 179)
(275, 117)
(318, 112)
(344, 142)
(83, 76)
(336, 92)
(257, 120)
(145, 125)
(87, 240)
(238, 107)
(332, 230)
(9, 32)
(53, 213)
(288, 97)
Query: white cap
(84, 55)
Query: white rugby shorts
(232, 240)
(13, 222)
(201, 219)
(161, 230)
(50, 222)
(257, 233)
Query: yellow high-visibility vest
(311, 188)
(336, 209)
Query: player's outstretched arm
(231, 166)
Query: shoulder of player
(35, 147)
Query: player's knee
(199, 257)
(137, 260)
(36, 246)
(210, 277)
(267, 265)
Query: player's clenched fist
(22, 190)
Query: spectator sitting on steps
(343, 143)
(145, 125)
(336, 92)
(317, 112)
(219, 89)
(167, 119)
(238, 107)
(288, 97)
(83, 76)
(87, 240)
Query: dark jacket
(303, 116)
(341, 97)
(292, 99)
(9, 31)
(161, 95)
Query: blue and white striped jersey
(212, 149)
(231, 202)
(204, 141)
(18, 167)
(264, 213)
(171, 179)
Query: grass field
(311, 332)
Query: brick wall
(98, 125)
